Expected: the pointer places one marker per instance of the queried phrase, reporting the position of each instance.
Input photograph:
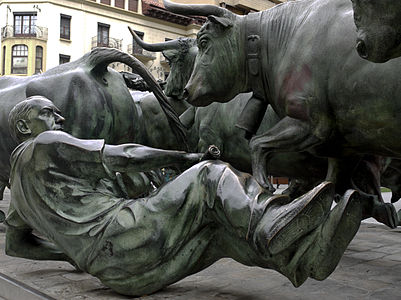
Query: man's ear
(223, 21)
(23, 127)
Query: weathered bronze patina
(215, 124)
(379, 29)
(82, 196)
(330, 101)
(93, 97)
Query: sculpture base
(13, 289)
(371, 267)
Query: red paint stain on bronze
(292, 97)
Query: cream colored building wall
(7, 18)
(85, 16)
(31, 44)
(254, 4)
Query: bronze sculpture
(93, 97)
(78, 195)
(299, 58)
(215, 124)
(378, 24)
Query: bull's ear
(23, 127)
(223, 21)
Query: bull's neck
(253, 54)
(274, 29)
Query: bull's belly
(367, 136)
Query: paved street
(370, 269)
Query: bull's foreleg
(288, 135)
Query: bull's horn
(174, 44)
(196, 9)
(100, 58)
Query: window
(133, 5)
(3, 64)
(105, 2)
(136, 49)
(65, 26)
(39, 60)
(19, 59)
(119, 3)
(24, 24)
(63, 59)
(103, 35)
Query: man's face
(44, 116)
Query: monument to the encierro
(84, 168)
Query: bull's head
(219, 71)
(181, 62)
(379, 29)
(180, 54)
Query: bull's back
(94, 107)
(321, 74)
(12, 91)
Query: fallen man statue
(82, 197)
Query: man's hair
(21, 112)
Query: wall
(85, 16)
(253, 4)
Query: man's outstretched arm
(136, 158)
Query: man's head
(33, 116)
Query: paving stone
(396, 257)
(391, 293)
(367, 255)
(391, 249)
(369, 269)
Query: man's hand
(212, 153)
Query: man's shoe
(285, 224)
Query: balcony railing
(34, 32)
(141, 53)
(111, 43)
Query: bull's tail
(100, 58)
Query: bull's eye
(203, 44)
(357, 16)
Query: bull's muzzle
(362, 49)
(185, 93)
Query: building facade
(39, 35)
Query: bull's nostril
(185, 93)
(362, 50)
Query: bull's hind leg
(288, 135)
(364, 176)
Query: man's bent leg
(271, 223)
(156, 241)
(208, 212)
(317, 254)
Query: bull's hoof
(265, 184)
(300, 217)
(399, 217)
(385, 213)
(395, 197)
(297, 188)
(270, 187)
